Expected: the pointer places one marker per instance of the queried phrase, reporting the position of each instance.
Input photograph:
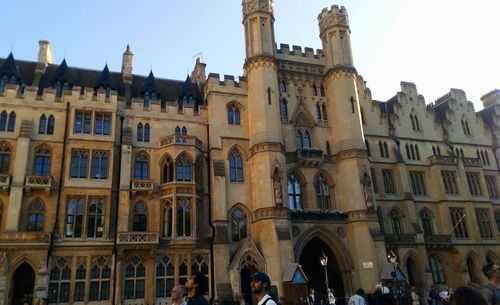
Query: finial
(11, 47)
(128, 47)
(64, 56)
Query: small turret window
(322, 90)
(269, 96)
(146, 100)
(314, 90)
(233, 115)
(3, 83)
(284, 109)
(283, 87)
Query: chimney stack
(45, 55)
(127, 65)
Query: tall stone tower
(271, 227)
(354, 194)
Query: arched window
(168, 170)
(318, 112)
(426, 222)
(3, 120)
(437, 270)
(283, 86)
(183, 167)
(466, 127)
(100, 165)
(50, 124)
(396, 217)
(307, 140)
(177, 130)
(487, 157)
(471, 269)
(314, 90)
(438, 151)
(42, 125)
(412, 152)
(107, 93)
(165, 280)
(5, 157)
(284, 109)
(139, 218)
(42, 161)
(140, 132)
(367, 144)
(325, 115)
(386, 150)
(235, 166)
(12, 121)
(146, 132)
(199, 171)
(238, 225)
(328, 150)
(184, 131)
(362, 113)
(74, 217)
(434, 150)
(95, 217)
(3, 83)
(35, 219)
(298, 140)
(183, 218)
(381, 149)
(413, 125)
(417, 124)
(461, 152)
(322, 90)
(233, 115)
(79, 284)
(167, 221)
(59, 282)
(147, 99)
(294, 193)
(79, 162)
(135, 278)
(407, 147)
(322, 193)
(141, 169)
(100, 279)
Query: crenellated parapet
(252, 6)
(333, 17)
(298, 51)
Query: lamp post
(324, 262)
(392, 258)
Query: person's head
(413, 289)
(178, 293)
(311, 291)
(467, 296)
(360, 292)
(43, 302)
(492, 272)
(433, 287)
(196, 283)
(378, 287)
(261, 283)
(451, 288)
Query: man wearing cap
(261, 283)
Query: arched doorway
(23, 285)
(410, 270)
(246, 290)
(310, 262)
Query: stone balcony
(472, 162)
(309, 157)
(137, 238)
(177, 188)
(438, 241)
(187, 140)
(443, 160)
(4, 181)
(400, 239)
(146, 186)
(38, 182)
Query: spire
(150, 84)
(62, 74)
(188, 94)
(104, 80)
(9, 69)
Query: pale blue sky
(438, 44)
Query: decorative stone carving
(250, 6)
(273, 212)
(266, 146)
(366, 182)
(349, 154)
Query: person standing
(358, 298)
(491, 291)
(331, 297)
(415, 299)
(310, 298)
(377, 297)
(195, 287)
(433, 296)
(467, 296)
(447, 295)
(179, 295)
(261, 284)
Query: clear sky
(437, 44)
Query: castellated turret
(335, 36)
(258, 20)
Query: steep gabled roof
(149, 84)
(62, 74)
(9, 68)
(105, 80)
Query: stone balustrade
(444, 160)
(137, 238)
(309, 157)
(138, 185)
(38, 182)
(174, 139)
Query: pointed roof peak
(150, 84)
(62, 74)
(9, 68)
(105, 79)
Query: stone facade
(114, 186)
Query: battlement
(229, 80)
(334, 16)
(491, 98)
(297, 51)
(251, 6)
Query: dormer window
(60, 88)
(283, 86)
(13, 80)
(146, 100)
(107, 92)
(314, 90)
(3, 83)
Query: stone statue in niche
(278, 197)
(367, 191)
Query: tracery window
(79, 292)
(458, 222)
(100, 280)
(42, 161)
(102, 123)
(139, 217)
(183, 168)
(141, 168)
(184, 214)
(322, 193)
(426, 222)
(437, 270)
(168, 170)
(74, 217)
(135, 277)
(238, 225)
(79, 162)
(284, 109)
(235, 166)
(167, 219)
(5, 157)
(165, 280)
(233, 115)
(12, 122)
(59, 282)
(35, 217)
(294, 193)
(396, 217)
(100, 160)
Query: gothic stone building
(116, 186)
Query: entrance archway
(246, 291)
(410, 270)
(23, 285)
(310, 262)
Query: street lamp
(393, 259)
(324, 262)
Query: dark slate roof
(488, 114)
(190, 90)
(388, 106)
(9, 68)
(149, 84)
(169, 90)
(440, 110)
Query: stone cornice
(270, 213)
(266, 146)
(341, 71)
(350, 154)
(260, 61)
